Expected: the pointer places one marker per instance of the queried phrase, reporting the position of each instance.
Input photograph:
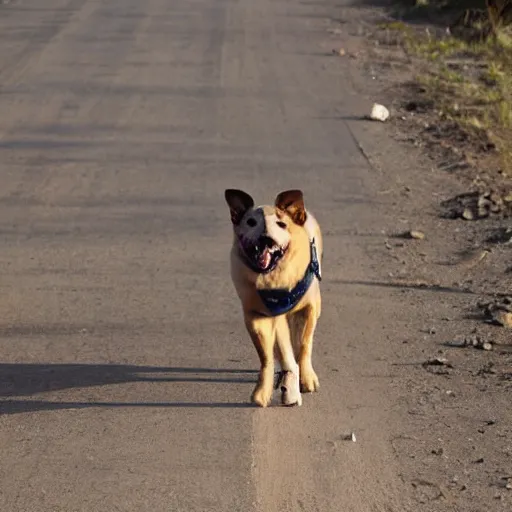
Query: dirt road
(125, 368)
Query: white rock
(379, 113)
(349, 437)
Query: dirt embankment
(449, 96)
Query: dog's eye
(281, 224)
(251, 222)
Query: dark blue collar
(279, 301)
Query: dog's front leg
(308, 378)
(289, 382)
(263, 335)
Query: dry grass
(469, 82)
(475, 92)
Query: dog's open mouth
(265, 254)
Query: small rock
(417, 235)
(483, 202)
(350, 437)
(379, 113)
(483, 213)
(503, 318)
(438, 366)
(438, 361)
(475, 341)
(467, 214)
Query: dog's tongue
(264, 259)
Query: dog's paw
(261, 396)
(290, 389)
(309, 381)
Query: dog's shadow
(22, 380)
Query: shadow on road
(20, 406)
(28, 379)
(406, 285)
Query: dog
(276, 271)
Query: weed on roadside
(467, 72)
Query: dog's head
(264, 233)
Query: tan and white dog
(275, 267)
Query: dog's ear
(292, 202)
(239, 202)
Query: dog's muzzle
(262, 256)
